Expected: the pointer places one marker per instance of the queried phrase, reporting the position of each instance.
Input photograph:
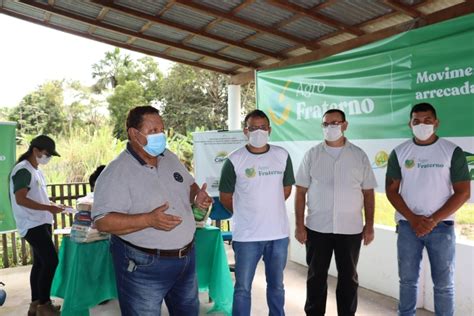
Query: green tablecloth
(85, 274)
(213, 269)
(84, 277)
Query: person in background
(427, 182)
(33, 213)
(255, 182)
(337, 178)
(144, 198)
(93, 177)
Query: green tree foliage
(132, 83)
(114, 69)
(193, 98)
(41, 111)
(84, 108)
(125, 97)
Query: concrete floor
(370, 303)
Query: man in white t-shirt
(427, 182)
(255, 182)
(337, 178)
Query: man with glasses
(255, 182)
(427, 182)
(143, 198)
(337, 179)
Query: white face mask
(423, 131)
(43, 160)
(332, 132)
(258, 138)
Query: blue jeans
(440, 244)
(247, 255)
(144, 280)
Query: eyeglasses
(254, 128)
(332, 124)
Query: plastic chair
(218, 214)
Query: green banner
(7, 161)
(377, 84)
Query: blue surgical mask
(156, 144)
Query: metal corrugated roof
(264, 13)
(187, 16)
(308, 28)
(162, 31)
(124, 21)
(145, 6)
(234, 36)
(353, 12)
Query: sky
(30, 54)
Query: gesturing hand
(203, 200)
(158, 219)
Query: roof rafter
(122, 31)
(403, 8)
(316, 16)
(110, 42)
(247, 23)
(201, 32)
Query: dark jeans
(45, 261)
(319, 249)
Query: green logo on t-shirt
(409, 163)
(250, 172)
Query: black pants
(319, 249)
(45, 261)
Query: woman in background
(33, 213)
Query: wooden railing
(16, 251)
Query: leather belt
(174, 253)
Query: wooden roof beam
(403, 8)
(134, 34)
(110, 42)
(201, 32)
(316, 16)
(255, 26)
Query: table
(85, 274)
(213, 269)
(84, 277)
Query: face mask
(43, 160)
(156, 144)
(332, 132)
(258, 138)
(423, 131)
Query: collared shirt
(129, 186)
(335, 185)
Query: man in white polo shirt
(255, 182)
(338, 181)
(427, 182)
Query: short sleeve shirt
(257, 181)
(334, 198)
(129, 186)
(25, 176)
(427, 173)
